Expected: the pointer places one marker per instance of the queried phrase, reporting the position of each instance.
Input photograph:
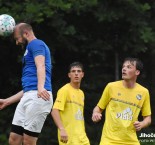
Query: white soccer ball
(7, 24)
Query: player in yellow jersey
(123, 101)
(68, 109)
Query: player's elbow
(147, 120)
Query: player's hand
(138, 125)
(3, 103)
(63, 136)
(96, 116)
(43, 93)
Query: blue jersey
(29, 76)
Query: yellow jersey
(70, 103)
(123, 107)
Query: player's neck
(31, 37)
(129, 84)
(75, 85)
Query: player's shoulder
(68, 88)
(116, 83)
(36, 42)
(81, 91)
(64, 88)
(139, 86)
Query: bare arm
(41, 74)
(57, 119)
(8, 101)
(142, 124)
(96, 116)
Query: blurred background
(98, 33)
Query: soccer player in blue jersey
(36, 98)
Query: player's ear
(137, 72)
(82, 74)
(69, 75)
(26, 33)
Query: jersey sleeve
(146, 108)
(60, 100)
(105, 98)
(37, 48)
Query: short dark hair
(77, 64)
(139, 64)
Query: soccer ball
(7, 24)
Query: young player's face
(129, 71)
(76, 74)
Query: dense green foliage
(98, 33)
